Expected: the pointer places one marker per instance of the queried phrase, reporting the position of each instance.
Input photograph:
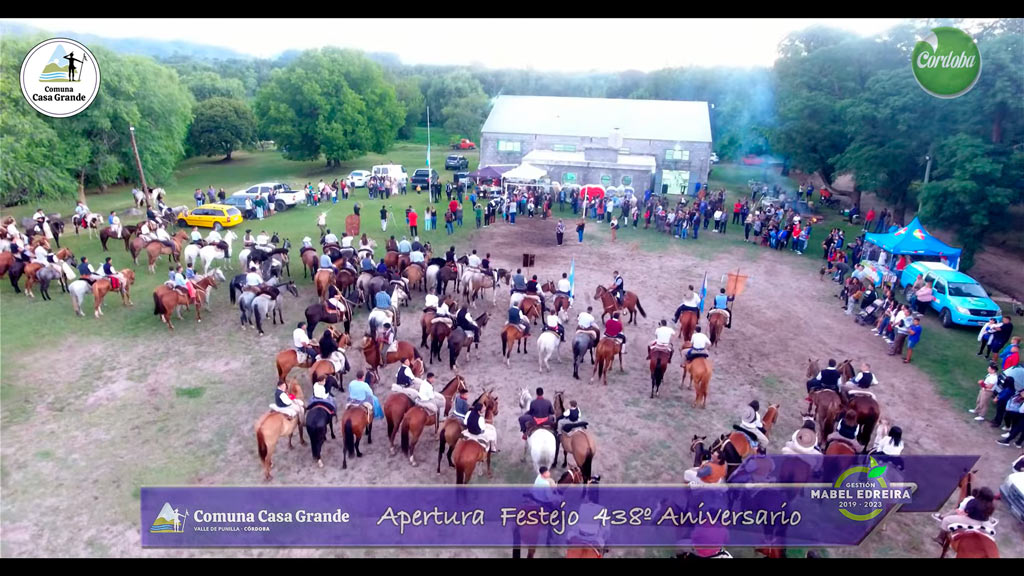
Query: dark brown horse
(580, 442)
(355, 421)
(826, 407)
(466, 457)
(560, 303)
(371, 354)
(316, 314)
(155, 249)
(287, 360)
(323, 367)
(459, 340)
(659, 362)
(688, 321)
(310, 263)
(126, 235)
(509, 334)
(867, 408)
(630, 302)
(439, 332)
(735, 446)
(716, 322)
(607, 349)
(396, 405)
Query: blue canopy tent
(914, 240)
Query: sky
(567, 45)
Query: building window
(683, 155)
(606, 180)
(564, 148)
(509, 146)
(624, 151)
(627, 180)
(675, 181)
(569, 177)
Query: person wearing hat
(751, 424)
(804, 441)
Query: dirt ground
(181, 411)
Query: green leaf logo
(876, 472)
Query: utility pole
(927, 173)
(138, 164)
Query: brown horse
(166, 299)
(321, 368)
(688, 321)
(355, 421)
(509, 334)
(428, 316)
(699, 370)
(531, 309)
(102, 286)
(273, 425)
(126, 235)
(458, 340)
(155, 249)
(32, 268)
(607, 349)
(416, 276)
(322, 279)
(560, 303)
(439, 332)
(287, 360)
(580, 442)
(310, 263)
(867, 408)
(965, 488)
(827, 407)
(716, 322)
(396, 404)
(468, 453)
(371, 354)
(659, 361)
(630, 302)
(391, 259)
(416, 419)
(735, 446)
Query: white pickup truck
(285, 196)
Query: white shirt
(886, 446)
(474, 261)
(321, 220)
(331, 239)
(262, 239)
(416, 256)
(162, 234)
(283, 395)
(319, 391)
(300, 338)
(699, 341)
(253, 279)
(431, 301)
(213, 237)
(693, 300)
(718, 214)
(552, 320)
(584, 320)
(426, 391)
(663, 335)
(116, 221)
(196, 235)
(564, 286)
(442, 310)
(346, 242)
(320, 186)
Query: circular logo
(947, 63)
(60, 77)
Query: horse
(322, 367)
(287, 360)
(397, 404)
(371, 354)
(478, 281)
(355, 421)
(310, 262)
(688, 322)
(272, 425)
(316, 314)
(580, 442)
(390, 260)
(509, 334)
(415, 418)
(450, 435)
(699, 370)
(446, 274)
(320, 416)
(560, 302)
(716, 322)
(428, 316)
(166, 300)
(439, 332)
(44, 276)
(263, 305)
(155, 248)
(416, 276)
(542, 448)
(827, 407)
(585, 340)
(607, 349)
(43, 273)
(458, 340)
(530, 308)
(630, 302)
(99, 289)
(89, 222)
(735, 446)
(548, 343)
(867, 408)
(659, 362)
(126, 235)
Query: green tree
(409, 94)
(975, 186)
(443, 89)
(221, 126)
(206, 85)
(466, 115)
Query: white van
(395, 171)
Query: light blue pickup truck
(959, 299)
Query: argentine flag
(703, 292)
(572, 280)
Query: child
(985, 335)
(913, 335)
(985, 393)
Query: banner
(736, 284)
(572, 279)
(703, 292)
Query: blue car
(959, 299)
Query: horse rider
(81, 210)
(752, 426)
(564, 287)
(827, 378)
(382, 270)
(533, 289)
(332, 303)
(474, 262)
(515, 318)
(145, 230)
(404, 247)
(553, 324)
(430, 302)
(461, 408)
(663, 339)
(253, 278)
(248, 241)
(575, 420)
(181, 282)
(190, 272)
(430, 400)
(846, 431)
(722, 303)
(860, 383)
(85, 271)
(478, 429)
(540, 412)
(449, 259)
(284, 402)
(804, 441)
(518, 282)
(699, 343)
(585, 320)
(613, 329)
(392, 245)
(690, 302)
(323, 391)
(465, 321)
(485, 267)
(360, 394)
(302, 342)
(330, 239)
(416, 244)
(617, 288)
(327, 264)
(416, 256)
(263, 242)
(115, 223)
(382, 301)
(41, 219)
(196, 237)
(367, 264)
(713, 471)
(110, 272)
(346, 241)
(387, 338)
(164, 238)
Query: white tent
(525, 172)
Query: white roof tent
(525, 172)
(597, 117)
(552, 158)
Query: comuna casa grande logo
(947, 63)
(169, 521)
(60, 77)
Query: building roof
(579, 159)
(675, 120)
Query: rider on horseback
(465, 321)
(540, 413)
(248, 241)
(263, 242)
(846, 431)
(333, 304)
(698, 345)
(564, 287)
(449, 259)
(284, 402)
(617, 288)
(181, 282)
(485, 267)
(518, 282)
(196, 237)
(330, 239)
(327, 264)
(164, 238)
(662, 339)
(360, 393)
(722, 303)
(387, 338)
(690, 302)
(752, 426)
(115, 224)
(553, 324)
(85, 271)
(323, 391)
(533, 289)
(827, 378)
(461, 409)
(302, 342)
(613, 329)
(366, 265)
(575, 420)
(515, 318)
(478, 428)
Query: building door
(675, 181)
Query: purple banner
(786, 501)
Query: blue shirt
(359, 391)
(325, 261)
(189, 274)
(721, 301)
(382, 300)
(367, 264)
(914, 335)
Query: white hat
(749, 416)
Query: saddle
(533, 425)
(662, 348)
(861, 392)
(841, 440)
(750, 435)
(306, 249)
(476, 438)
(720, 311)
(442, 320)
(364, 405)
(115, 284)
(322, 404)
(592, 331)
(576, 430)
(338, 360)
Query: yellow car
(216, 216)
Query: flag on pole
(572, 279)
(703, 292)
(428, 137)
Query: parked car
(460, 176)
(285, 196)
(1013, 489)
(216, 216)
(714, 158)
(239, 202)
(464, 144)
(357, 178)
(959, 299)
(456, 162)
(424, 178)
(395, 171)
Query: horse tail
(261, 444)
(232, 290)
(350, 438)
(640, 308)
(587, 464)
(460, 474)
(600, 367)
(405, 434)
(158, 305)
(504, 342)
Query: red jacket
(737, 207)
(1011, 361)
(412, 218)
(612, 327)
(453, 206)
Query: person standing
(1000, 338)
(383, 219)
(986, 388)
(579, 228)
(449, 220)
(913, 336)
(559, 232)
(1015, 414)
(478, 210)
(512, 207)
(413, 219)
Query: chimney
(615, 139)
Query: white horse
(541, 444)
(432, 271)
(78, 289)
(548, 343)
(209, 253)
